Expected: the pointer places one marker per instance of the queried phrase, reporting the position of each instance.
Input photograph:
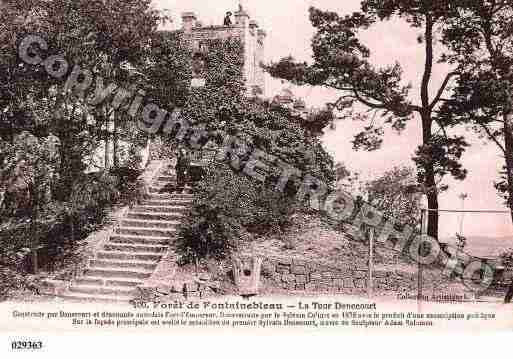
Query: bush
(207, 234)
(57, 232)
(228, 206)
(506, 256)
(13, 250)
(129, 189)
(92, 195)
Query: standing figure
(2, 197)
(199, 67)
(227, 19)
(182, 169)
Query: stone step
(112, 263)
(142, 223)
(160, 209)
(118, 239)
(97, 289)
(154, 216)
(152, 232)
(168, 189)
(114, 282)
(118, 272)
(117, 255)
(160, 183)
(89, 281)
(137, 248)
(166, 178)
(170, 180)
(167, 202)
(170, 196)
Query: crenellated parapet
(243, 28)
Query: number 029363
(26, 345)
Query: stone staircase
(135, 246)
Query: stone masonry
(324, 277)
(244, 29)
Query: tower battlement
(243, 28)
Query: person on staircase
(183, 164)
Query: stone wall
(244, 29)
(320, 277)
(296, 276)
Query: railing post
(370, 279)
(423, 232)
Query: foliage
(316, 120)
(342, 62)
(29, 174)
(479, 45)
(57, 232)
(245, 204)
(48, 138)
(396, 193)
(346, 178)
(14, 248)
(118, 41)
(229, 203)
(128, 185)
(91, 195)
(507, 258)
(461, 241)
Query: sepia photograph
(255, 166)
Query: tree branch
(443, 129)
(442, 88)
(492, 137)
(358, 97)
(428, 67)
(367, 103)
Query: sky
(290, 32)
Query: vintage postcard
(255, 166)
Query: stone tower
(243, 28)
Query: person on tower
(227, 19)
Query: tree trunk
(508, 155)
(34, 261)
(427, 123)
(107, 151)
(106, 138)
(432, 228)
(33, 230)
(431, 189)
(115, 142)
